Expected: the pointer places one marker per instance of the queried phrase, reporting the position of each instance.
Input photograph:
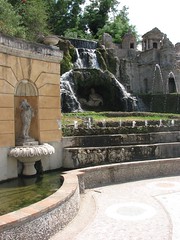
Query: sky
(163, 14)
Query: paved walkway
(141, 210)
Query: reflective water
(21, 192)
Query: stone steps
(85, 151)
(121, 139)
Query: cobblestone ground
(140, 210)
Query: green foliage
(96, 14)
(10, 21)
(118, 27)
(69, 52)
(112, 120)
(65, 15)
(70, 18)
(34, 17)
(66, 63)
(78, 33)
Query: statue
(26, 116)
(95, 99)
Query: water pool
(22, 192)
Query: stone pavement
(141, 210)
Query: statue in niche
(94, 100)
(27, 113)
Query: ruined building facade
(154, 70)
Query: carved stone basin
(28, 155)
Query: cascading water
(69, 101)
(157, 84)
(86, 58)
(87, 77)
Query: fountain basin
(28, 155)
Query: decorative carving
(31, 151)
(28, 155)
(89, 156)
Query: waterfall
(69, 101)
(81, 43)
(79, 62)
(86, 86)
(86, 58)
(129, 102)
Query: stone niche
(28, 71)
(26, 90)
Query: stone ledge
(131, 171)
(43, 219)
(121, 139)
(80, 157)
(22, 48)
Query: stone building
(155, 69)
(30, 71)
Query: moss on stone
(69, 55)
(107, 59)
(66, 63)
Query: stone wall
(30, 71)
(43, 219)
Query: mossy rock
(107, 60)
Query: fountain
(87, 76)
(158, 85)
(104, 123)
(158, 82)
(28, 150)
(75, 124)
(120, 123)
(160, 123)
(133, 124)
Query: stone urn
(51, 40)
(29, 154)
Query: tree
(10, 21)
(34, 17)
(65, 15)
(96, 14)
(118, 26)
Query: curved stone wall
(43, 219)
